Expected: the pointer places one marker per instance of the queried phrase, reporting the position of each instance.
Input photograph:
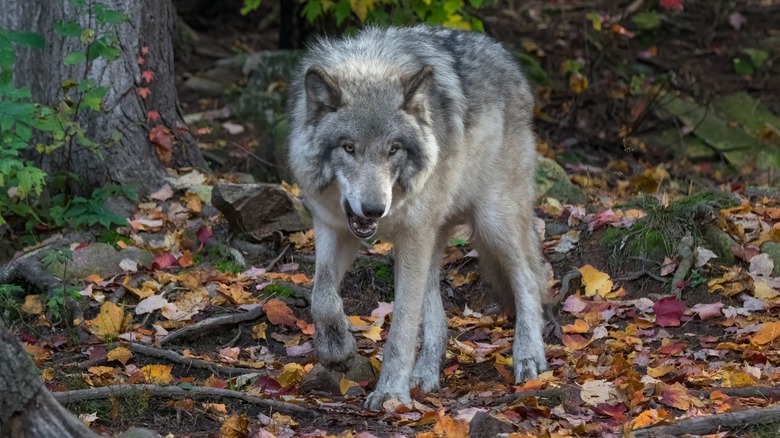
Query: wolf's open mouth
(361, 227)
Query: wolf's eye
(394, 148)
(349, 147)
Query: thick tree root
(210, 324)
(105, 392)
(712, 424)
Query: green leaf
(74, 58)
(100, 49)
(757, 57)
(68, 28)
(93, 98)
(743, 67)
(104, 16)
(29, 39)
(311, 10)
(7, 53)
(249, 6)
(342, 11)
(647, 20)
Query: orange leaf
(768, 332)
(448, 427)
(575, 342)
(279, 313)
(579, 326)
(649, 418)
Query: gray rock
(98, 258)
(321, 379)
(773, 249)
(259, 210)
(205, 87)
(486, 426)
(553, 181)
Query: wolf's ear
(415, 85)
(322, 92)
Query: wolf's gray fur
(408, 132)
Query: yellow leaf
(38, 353)
(302, 239)
(736, 379)
(283, 419)
(236, 293)
(194, 203)
(768, 332)
(94, 278)
(761, 290)
(361, 8)
(579, 326)
(381, 248)
(291, 189)
(32, 305)
(120, 354)
(47, 374)
(457, 279)
(649, 418)
(659, 371)
(374, 333)
(258, 331)
(158, 373)
(292, 374)
(578, 83)
(218, 408)
(109, 322)
(595, 281)
(101, 371)
(345, 384)
(235, 426)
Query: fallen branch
(105, 392)
(557, 393)
(745, 391)
(712, 424)
(211, 323)
(172, 356)
(685, 251)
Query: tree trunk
(145, 46)
(27, 409)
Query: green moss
(278, 290)
(227, 266)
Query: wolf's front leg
(333, 342)
(411, 279)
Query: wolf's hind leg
(434, 328)
(334, 343)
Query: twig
(212, 323)
(106, 392)
(713, 423)
(234, 340)
(685, 250)
(273, 263)
(172, 356)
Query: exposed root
(685, 251)
(213, 323)
(713, 423)
(105, 392)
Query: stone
(486, 426)
(98, 258)
(321, 379)
(206, 87)
(773, 250)
(259, 210)
(553, 181)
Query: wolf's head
(372, 135)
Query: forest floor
(664, 262)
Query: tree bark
(27, 409)
(147, 34)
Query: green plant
(57, 299)
(27, 126)
(450, 13)
(9, 301)
(749, 61)
(696, 278)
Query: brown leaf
(236, 426)
(279, 313)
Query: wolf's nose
(373, 211)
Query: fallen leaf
(235, 426)
(579, 326)
(595, 281)
(32, 305)
(761, 265)
(162, 261)
(150, 304)
(768, 332)
(120, 354)
(158, 374)
(648, 418)
(163, 193)
(292, 374)
(345, 384)
(595, 392)
(109, 322)
(279, 313)
(448, 427)
(708, 311)
(374, 333)
(668, 311)
(302, 239)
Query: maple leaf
(676, 396)
(153, 115)
(140, 60)
(121, 354)
(163, 140)
(109, 322)
(648, 418)
(215, 382)
(204, 234)
(672, 4)
(164, 260)
(768, 332)
(145, 50)
(595, 281)
(147, 76)
(144, 92)
(668, 311)
(279, 313)
(306, 328)
(32, 305)
(268, 385)
(448, 427)
(235, 426)
(158, 373)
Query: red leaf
(204, 233)
(668, 311)
(141, 60)
(153, 115)
(147, 76)
(672, 4)
(144, 92)
(163, 139)
(162, 261)
(268, 385)
(214, 382)
(617, 411)
(144, 50)
(81, 245)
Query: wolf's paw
(335, 347)
(425, 377)
(376, 399)
(527, 368)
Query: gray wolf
(405, 133)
